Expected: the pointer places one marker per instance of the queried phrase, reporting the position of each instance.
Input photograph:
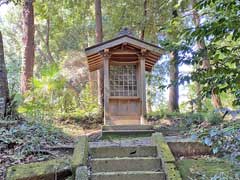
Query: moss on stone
(82, 173)
(192, 168)
(163, 148)
(117, 136)
(45, 170)
(80, 154)
(167, 157)
(172, 172)
(48, 170)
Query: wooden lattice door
(124, 103)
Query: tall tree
(99, 39)
(173, 96)
(98, 16)
(4, 92)
(145, 19)
(216, 100)
(28, 43)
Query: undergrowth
(53, 97)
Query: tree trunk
(99, 39)
(173, 89)
(98, 16)
(149, 105)
(50, 57)
(199, 97)
(4, 93)
(28, 43)
(145, 18)
(216, 100)
(142, 36)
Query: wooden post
(142, 86)
(106, 57)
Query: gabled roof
(95, 59)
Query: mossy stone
(206, 167)
(47, 170)
(82, 173)
(172, 172)
(80, 153)
(163, 148)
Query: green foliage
(30, 137)
(163, 113)
(156, 81)
(188, 119)
(224, 139)
(53, 97)
(214, 118)
(193, 119)
(221, 32)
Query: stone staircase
(127, 130)
(126, 163)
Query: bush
(194, 118)
(53, 97)
(224, 139)
(214, 118)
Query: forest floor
(223, 165)
(24, 142)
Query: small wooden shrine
(124, 59)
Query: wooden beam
(153, 56)
(117, 62)
(94, 62)
(124, 52)
(149, 69)
(125, 39)
(96, 65)
(94, 69)
(151, 62)
(95, 59)
(106, 57)
(147, 64)
(124, 59)
(142, 87)
(93, 55)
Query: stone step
(129, 175)
(126, 164)
(128, 132)
(110, 152)
(127, 127)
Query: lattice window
(123, 80)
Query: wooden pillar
(106, 57)
(142, 87)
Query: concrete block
(127, 127)
(129, 175)
(162, 148)
(80, 153)
(47, 170)
(126, 164)
(180, 148)
(109, 152)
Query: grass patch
(206, 168)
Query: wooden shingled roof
(131, 45)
